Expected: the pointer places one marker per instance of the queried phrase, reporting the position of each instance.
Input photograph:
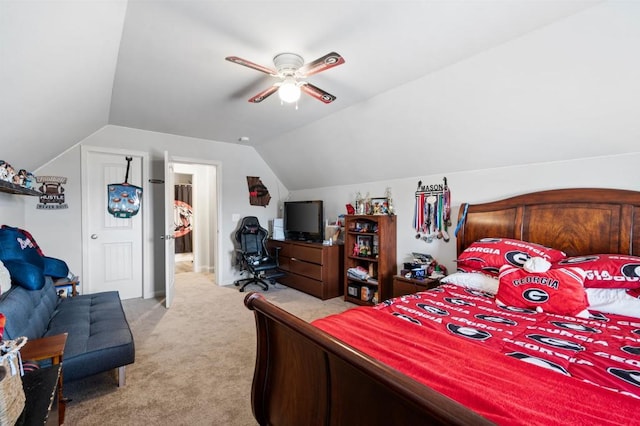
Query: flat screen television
(304, 220)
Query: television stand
(310, 267)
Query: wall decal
(258, 193)
(52, 192)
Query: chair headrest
(251, 229)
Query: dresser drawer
(285, 248)
(311, 270)
(284, 262)
(308, 285)
(307, 254)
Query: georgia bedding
(519, 345)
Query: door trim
(147, 243)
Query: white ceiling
(67, 68)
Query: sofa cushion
(28, 312)
(99, 336)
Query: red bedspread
(448, 339)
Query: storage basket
(12, 397)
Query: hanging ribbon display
(432, 212)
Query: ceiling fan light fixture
(289, 91)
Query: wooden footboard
(303, 376)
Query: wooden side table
(403, 286)
(50, 347)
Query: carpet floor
(194, 362)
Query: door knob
(94, 236)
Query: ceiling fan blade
(317, 93)
(329, 60)
(264, 94)
(252, 65)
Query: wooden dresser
(313, 268)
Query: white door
(169, 239)
(114, 245)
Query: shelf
(367, 259)
(376, 233)
(356, 301)
(12, 188)
(359, 282)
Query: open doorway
(183, 221)
(195, 217)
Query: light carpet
(194, 362)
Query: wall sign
(258, 192)
(52, 192)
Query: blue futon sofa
(99, 338)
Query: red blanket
(453, 338)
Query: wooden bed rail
(305, 376)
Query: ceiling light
(289, 90)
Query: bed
(396, 364)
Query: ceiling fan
(290, 69)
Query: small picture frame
(64, 291)
(364, 246)
(379, 206)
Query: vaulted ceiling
(67, 68)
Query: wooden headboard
(577, 221)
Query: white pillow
(474, 280)
(5, 279)
(613, 301)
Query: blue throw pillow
(17, 245)
(25, 274)
(55, 268)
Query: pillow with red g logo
(557, 291)
(607, 270)
(489, 254)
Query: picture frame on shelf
(379, 206)
(364, 244)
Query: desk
(41, 393)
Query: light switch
(235, 217)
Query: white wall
(59, 232)
(12, 209)
(236, 162)
(479, 186)
(569, 90)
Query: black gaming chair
(252, 255)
